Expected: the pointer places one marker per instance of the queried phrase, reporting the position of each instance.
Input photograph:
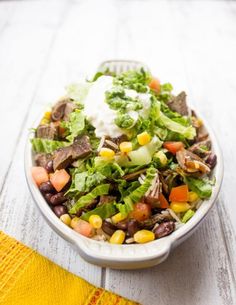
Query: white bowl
(132, 256)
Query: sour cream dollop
(101, 116)
(97, 110)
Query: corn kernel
(107, 152)
(65, 218)
(143, 138)
(162, 157)
(117, 237)
(192, 197)
(44, 121)
(74, 222)
(47, 115)
(179, 207)
(144, 236)
(118, 217)
(125, 147)
(95, 221)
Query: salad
(122, 159)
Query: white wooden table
(46, 44)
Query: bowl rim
(151, 250)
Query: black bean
(122, 225)
(46, 187)
(48, 197)
(211, 160)
(132, 227)
(108, 227)
(49, 166)
(164, 229)
(59, 210)
(58, 198)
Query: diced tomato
(179, 193)
(164, 204)
(84, 228)
(39, 174)
(59, 179)
(141, 211)
(173, 147)
(155, 85)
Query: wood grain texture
(192, 44)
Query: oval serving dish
(133, 256)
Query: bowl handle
(123, 256)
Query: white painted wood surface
(46, 44)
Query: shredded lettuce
(104, 211)
(138, 193)
(100, 190)
(84, 181)
(141, 156)
(40, 145)
(189, 214)
(108, 168)
(78, 91)
(75, 125)
(203, 187)
(189, 132)
(176, 124)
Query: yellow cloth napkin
(27, 278)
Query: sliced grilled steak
(199, 148)
(58, 110)
(70, 107)
(106, 199)
(157, 218)
(81, 147)
(179, 104)
(202, 134)
(120, 139)
(191, 162)
(48, 131)
(64, 156)
(134, 175)
(42, 159)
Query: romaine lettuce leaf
(75, 125)
(78, 91)
(104, 211)
(188, 215)
(100, 190)
(142, 155)
(40, 145)
(176, 124)
(189, 132)
(138, 193)
(203, 187)
(85, 181)
(107, 168)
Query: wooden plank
(57, 42)
(25, 43)
(187, 52)
(211, 76)
(24, 84)
(197, 272)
